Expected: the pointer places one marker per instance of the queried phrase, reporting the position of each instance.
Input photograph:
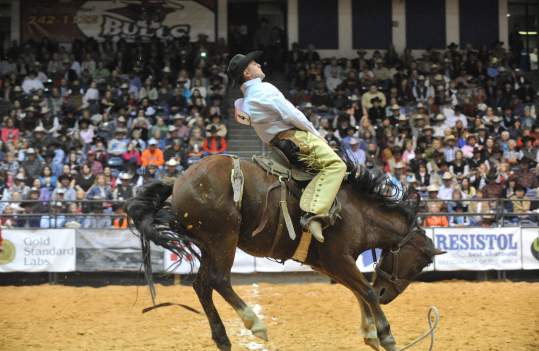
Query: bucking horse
(201, 210)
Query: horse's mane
(377, 185)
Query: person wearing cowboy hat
(279, 122)
(376, 113)
(439, 126)
(19, 186)
(118, 145)
(32, 165)
(422, 90)
(123, 190)
(450, 148)
(446, 190)
(171, 171)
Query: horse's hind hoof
(262, 334)
(372, 342)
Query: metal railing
(500, 211)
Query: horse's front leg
(368, 326)
(344, 270)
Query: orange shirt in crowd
(436, 221)
(152, 158)
(120, 223)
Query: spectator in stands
(367, 98)
(101, 193)
(34, 207)
(47, 179)
(459, 219)
(152, 155)
(124, 190)
(214, 144)
(435, 220)
(32, 165)
(85, 179)
(55, 219)
(355, 152)
(520, 204)
(10, 134)
(525, 177)
(64, 191)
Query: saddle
(278, 164)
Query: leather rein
(398, 283)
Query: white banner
(530, 248)
(478, 249)
(243, 263)
(117, 19)
(40, 250)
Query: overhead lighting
(527, 33)
(508, 15)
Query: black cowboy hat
(238, 63)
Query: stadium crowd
(456, 125)
(93, 121)
(85, 126)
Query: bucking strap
(237, 180)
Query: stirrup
(308, 217)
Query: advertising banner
(112, 250)
(243, 263)
(40, 250)
(66, 20)
(478, 249)
(530, 248)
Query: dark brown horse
(202, 213)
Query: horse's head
(399, 266)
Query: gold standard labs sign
(38, 251)
(127, 19)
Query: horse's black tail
(155, 221)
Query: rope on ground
(433, 318)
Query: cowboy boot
(314, 225)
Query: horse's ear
(438, 252)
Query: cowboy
(278, 122)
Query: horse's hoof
(262, 334)
(390, 347)
(223, 343)
(224, 347)
(372, 342)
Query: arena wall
(68, 250)
(485, 14)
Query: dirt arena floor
(314, 316)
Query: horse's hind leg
(203, 288)
(344, 270)
(220, 269)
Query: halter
(398, 283)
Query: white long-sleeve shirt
(266, 109)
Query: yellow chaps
(319, 157)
